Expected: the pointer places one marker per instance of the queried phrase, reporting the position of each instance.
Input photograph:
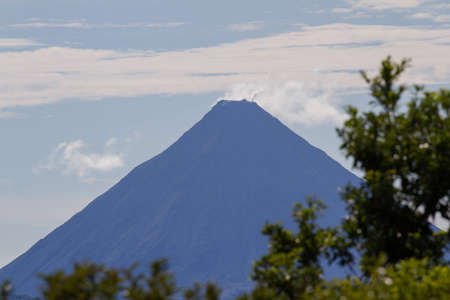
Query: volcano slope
(201, 203)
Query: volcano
(201, 203)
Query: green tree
(292, 268)
(410, 279)
(208, 291)
(5, 290)
(87, 281)
(405, 154)
(96, 281)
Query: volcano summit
(201, 203)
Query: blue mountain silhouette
(201, 203)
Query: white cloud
(356, 15)
(439, 6)
(254, 25)
(73, 158)
(110, 143)
(53, 74)
(421, 15)
(341, 10)
(10, 43)
(432, 17)
(9, 115)
(51, 25)
(442, 18)
(291, 101)
(386, 4)
(84, 25)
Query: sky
(91, 89)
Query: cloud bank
(292, 101)
(53, 74)
(9, 115)
(439, 18)
(254, 25)
(72, 157)
(11, 43)
(386, 4)
(84, 25)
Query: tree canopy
(404, 150)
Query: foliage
(209, 291)
(292, 266)
(5, 290)
(410, 279)
(404, 152)
(95, 281)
